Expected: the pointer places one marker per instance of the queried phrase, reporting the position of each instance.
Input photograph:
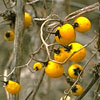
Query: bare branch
(31, 2)
(93, 81)
(82, 11)
(96, 92)
(33, 93)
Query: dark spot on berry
(68, 48)
(7, 34)
(77, 71)
(74, 89)
(76, 25)
(58, 34)
(57, 51)
(37, 69)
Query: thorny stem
(67, 92)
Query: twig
(7, 94)
(45, 5)
(46, 45)
(93, 81)
(98, 42)
(96, 92)
(48, 17)
(33, 93)
(8, 3)
(29, 95)
(82, 11)
(98, 55)
(41, 79)
(80, 5)
(5, 23)
(5, 4)
(37, 51)
(31, 2)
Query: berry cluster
(65, 36)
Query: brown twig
(98, 42)
(82, 11)
(93, 81)
(5, 23)
(96, 92)
(41, 79)
(31, 2)
(33, 93)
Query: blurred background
(50, 89)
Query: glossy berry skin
(65, 34)
(77, 90)
(13, 87)
(82, 24)
(61, 56)
(54, 70)
(74, 70)
(9, 36)
(80, 55)
(27, 20)
(37, 66)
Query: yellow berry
(9, 36)
(82, 24)
(80, 55)
(13, 87)
(74, 70)
(54, 70)
(37, 66)
(27, 20)
(60, 55)
(65, 34)
(77, 90)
